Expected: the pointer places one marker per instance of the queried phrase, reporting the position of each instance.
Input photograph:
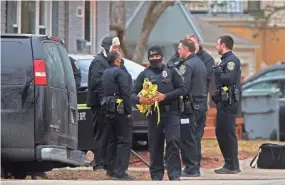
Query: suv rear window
(54, 66)
(68, 69)
(15, 66)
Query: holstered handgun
(236, 94)
(188, 104)
(181, 104)
(120, 107)
(224, 95)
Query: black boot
(125, 177)
(225, 170)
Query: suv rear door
(53, 124)
(71, 93)
(17, 97)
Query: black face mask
(122, 63)
(156, 63)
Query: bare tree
(118, 24)
(267, 14)
(154, 11)
(265, 17)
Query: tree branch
(267, 13)
(118, 24)
(273, 10)
(120, 30)
(155, 10)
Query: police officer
(194, 74)
(76, 73)
(227, 80)
(209, 62)
(95, 95)
(117, 109)
(170, 87)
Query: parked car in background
(85, 120)
(270, 71)
(271, 83)
(38, 106)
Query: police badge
(164, 74)
(182, 69)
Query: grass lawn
(211, 147)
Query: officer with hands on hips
(117, 109)
(194, 74)
(227, 98)
(170, 87)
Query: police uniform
(194, 74)
(209, 62)
(117, 87)
(174, 60)
(94, 96)
(227, 80)
(171, 84)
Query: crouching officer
(117, 109)
(195, 74)
(227, 80)
(170, 87)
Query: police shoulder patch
(231, 65)
(182, 69)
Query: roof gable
(175, 22)
(168, 28)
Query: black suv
(39, 129)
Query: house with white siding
(81, 24)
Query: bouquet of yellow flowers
(149, 91)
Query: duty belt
(168, 107)
(113, 104)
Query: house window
(226, 6)
(42, 17)
(55, 18)
(12, 22)
(87, 21)
(253, 6)
(30, 17)
(28, 14)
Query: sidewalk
(208, 174)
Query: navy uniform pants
(119, 144)
(168, 129)
(226, 134)
(201, 122)
(100, 134)
(188, 141)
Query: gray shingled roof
(171, 27)
(174, 24)
(212, 32)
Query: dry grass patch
(211, 147)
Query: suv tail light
(40, 72)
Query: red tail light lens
(40, 72)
